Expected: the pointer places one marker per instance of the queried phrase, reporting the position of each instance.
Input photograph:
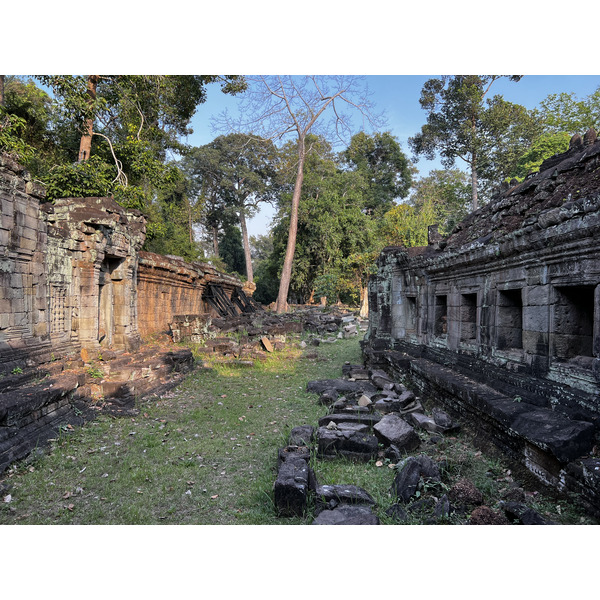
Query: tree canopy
(460, 125)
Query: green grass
(205, 453)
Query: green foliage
(547, 145)
(11, 140)
(564, 112)
(383, 165)
(93, 177)
(449, 192)
(406, 225)
(231, 250)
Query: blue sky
(398, 96)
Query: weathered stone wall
(502, 318)
(72, 276)
(24, 312)
(68, 272)
(168, 286)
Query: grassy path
(203, 453)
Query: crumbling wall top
(569, 181)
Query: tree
(380, 160)
(447, 192)
(241, 173)
(406, 225)
(546, 145)
(119, 132)
(135, 119)
(334, 227)
(565, 113)
(232, 251)
(275, 107)
(457, 122)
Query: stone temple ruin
(500, 321)
(73, 280)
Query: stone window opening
(440, 316)
(509, 322)
(573, 322)
(468, 318)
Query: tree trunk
(2, 89)
(474, 183)
(247, 255)
(85, 143)
(364, 302)
(215, 232)
(286, 273)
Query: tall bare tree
(275, 107)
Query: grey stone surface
(392, 429)
(352, 444)
(291, 488)
(347, 515)
(342, 386)
(301, 435)
(343, 494)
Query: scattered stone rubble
(371, 416)
(254, 335)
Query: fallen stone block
(387, 405)
(523, 515)
(421, 421)
(342, 386)
(364, 401)
(360, 427)
(301, 436)
(328, 397)
(292, 452)
(347, 515)
(291, 488)
(550, 431)
(369, 419)
(332, 495)
(351, 444)
(412, 470)
(266, 343)
(392, 429)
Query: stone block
(536, 318)
(564, 439)
(329, 496)
(537, 295)
(347, 515)
(392, 429)
(291, 488)
(301, 436)
(352, 444)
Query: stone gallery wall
(502, 318)
(24, 315)
(168, 286)
(72, 276)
